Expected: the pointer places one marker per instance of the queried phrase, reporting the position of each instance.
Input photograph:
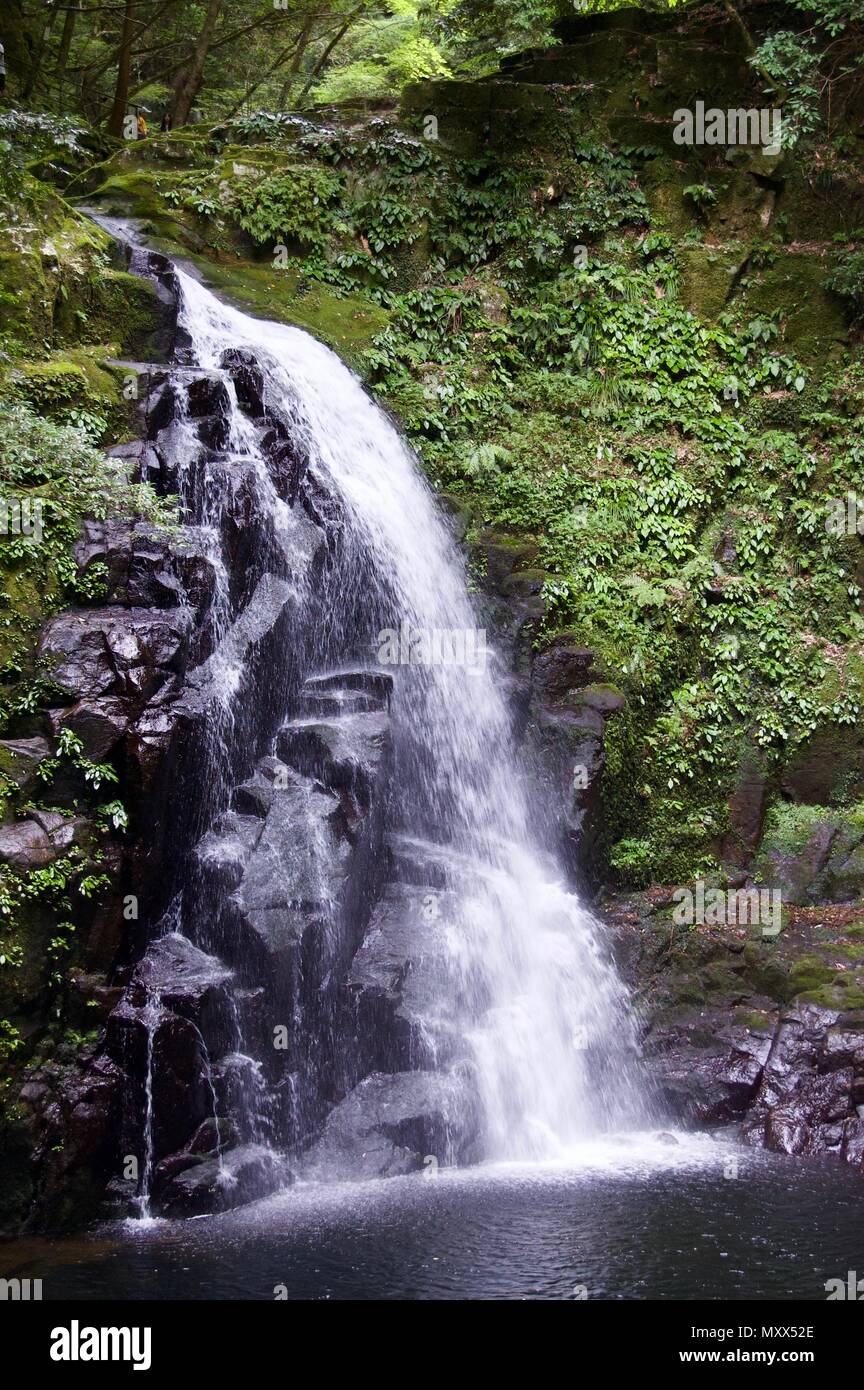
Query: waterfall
(526, 1006)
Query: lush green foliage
(58, 469)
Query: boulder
(394, 1124)
(147, 568)
(117, 651)
(99, 724)
(348, 753)
(20, 757)
(561, 668)
(217, 1184)
(25, 845)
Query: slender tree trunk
(63, 52)
(187, 83)
(317, 69)
(269, 73)
(36, 64)
(736, 19)
(124, 64)
(302, 45)
(91, 72)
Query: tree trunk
(124, 63)
(36, 65)
(302, 45)
(274, 66)
(63, 52)
(187, 82)
(337, 38)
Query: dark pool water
(634, 1218)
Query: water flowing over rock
(359, 954)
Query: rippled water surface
(638, 1217)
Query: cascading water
(529, 1008)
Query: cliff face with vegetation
(633, 371)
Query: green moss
(707, 277)
(852, 997)
(814, 324)
(810, 973)
(51, 387)
(346, 323)
(789, 827)
(754, 1020)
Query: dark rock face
(746, 809)
(217, 1184)
(399, 977)
(393, 1124)
(25, 845)
(733, 1035)
(192, 638)
(805, 1101)
(257, 784)
(21, 758)
(126, 652)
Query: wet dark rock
(149, 743)
(182, 1094)
(118, 651)
(421, 862)
(183, 978)
(224, 852)
(799, 1097)
(286, 464)
(255, 797)
(49, 820)
(161, 407)
(218, 1184)
(322, 704)
(146, 569)
(289, 877)
(395, 1124)
(401, 975)
(20, 757)
(348, 753)
(707, 1081)
(561, 668)
(211, 1136)
(214, 431)
(259, 621)
(725, 1043)
(25, 845)
(374, 680)
(99, 724)
(319, 503)
(74, 1123)
(207, 395)
(299, 853)
(72, 830)
(248, 380)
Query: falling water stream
(539, 1008)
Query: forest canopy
(209, 60)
